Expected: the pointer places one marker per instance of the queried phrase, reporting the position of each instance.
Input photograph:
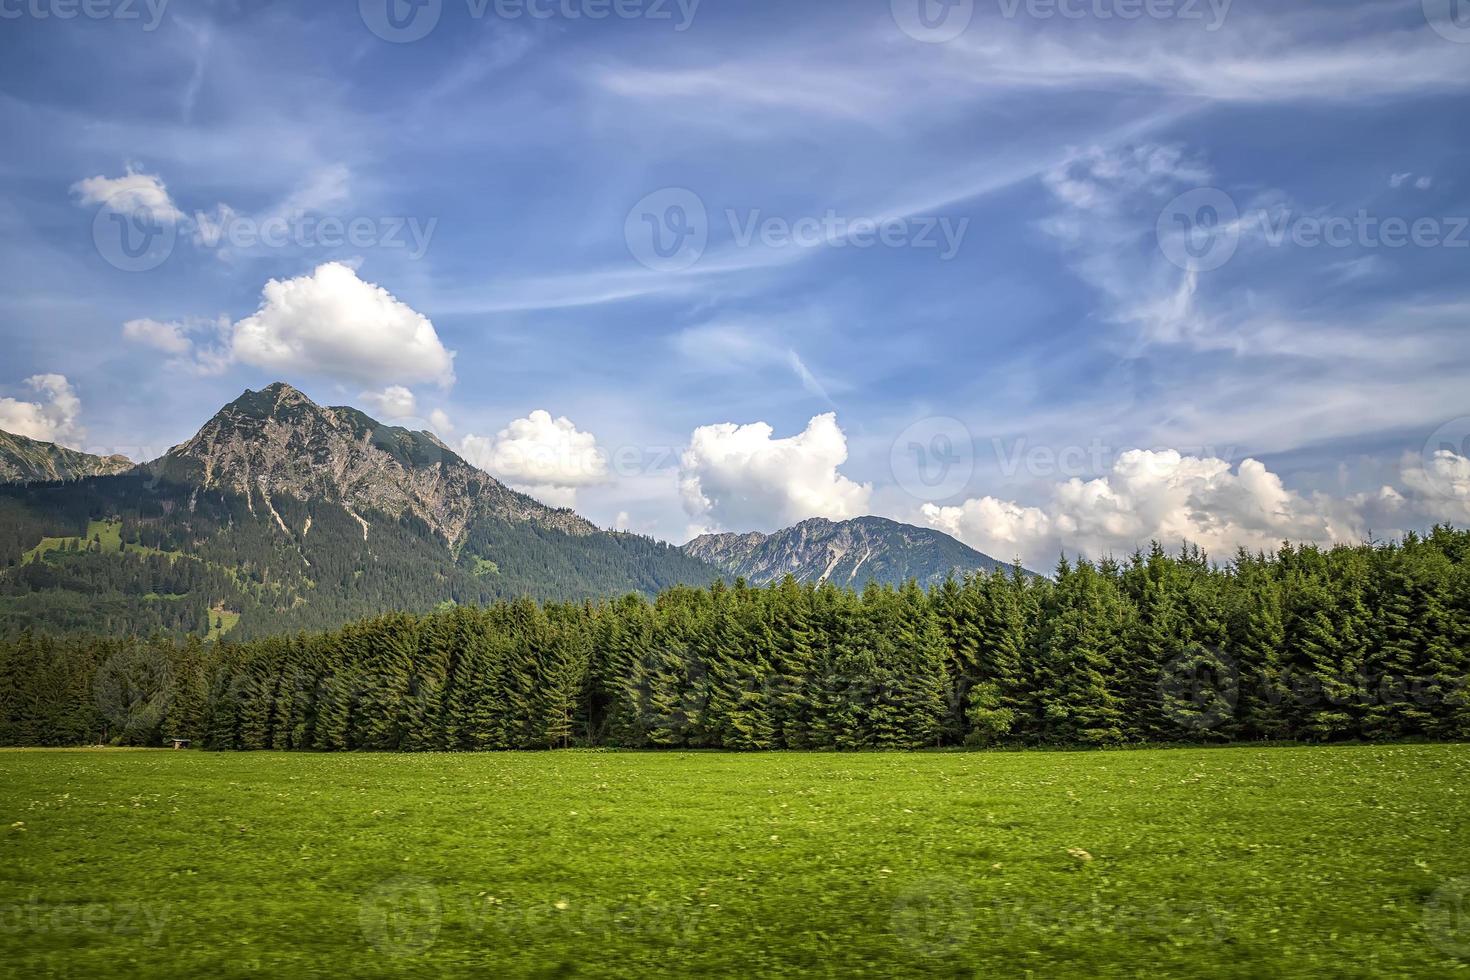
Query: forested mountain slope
(281, 515)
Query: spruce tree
(1078, 639)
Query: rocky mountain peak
(278, 441)
(279, 400)
(25, 460)
(852, 552)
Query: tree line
(1366, 642)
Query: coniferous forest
(1355, 643)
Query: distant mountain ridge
(849, 553)
(280, 514)
(24, 460)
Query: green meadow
(1238, 862)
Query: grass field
(107, 533)
(1288, 862)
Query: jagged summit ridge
(851, 553)
(26, 460)
(278, 441)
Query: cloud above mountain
(1175, 499)
(333, 323)
(54, 417)
(330, 323)
(743, 477)
(548, 458)
(393, 402)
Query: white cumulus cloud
(393, 402)
(1439, 486)
(546, 457)
(131, 192)
(740, 477)
(333, 323)
(1167, 497)
(330, 323)
(171, 338)
(54, 418)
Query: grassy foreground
(1339, 862)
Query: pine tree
(956, 607)
(390, 645)
(1155, 644)
(1326, 622)
(918, 670)
(563, 678)
(1077, 641)
(424, 705)
(475, 705)
(1258, 643)
(622, 670)
(793, 659)
(996, 703)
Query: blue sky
(956, 269)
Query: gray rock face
(24, 460)
(849, 553)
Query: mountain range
(281, 514)
(849, 553)
(24, 460)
